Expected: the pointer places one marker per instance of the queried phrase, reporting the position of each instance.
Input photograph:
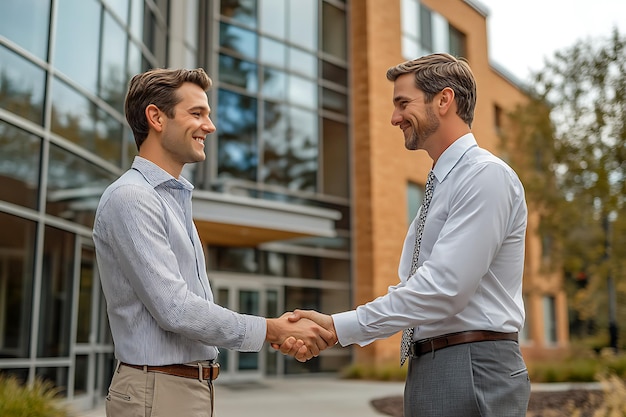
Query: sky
(523, 33)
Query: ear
(154, 116)
(446, 100)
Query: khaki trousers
(137, 393)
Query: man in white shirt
(460, 289)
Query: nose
(208, 126)
(396, 118)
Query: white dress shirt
(153, 274)
(471, 257)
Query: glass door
(247, 297)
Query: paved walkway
(297, 396)
(313, 396)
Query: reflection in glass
(237, 140)
(81, 370)
(302, 23)
(249, 303)
(155, 37)
(236, 40)
(274, 84)
(19, 166)
(272, 17)
(78, 31)
(241, 11)
(272, 52)
(334, 31)
(334, 101)
(74, 186)
(302, 91)
(56, 293)
(22, 85)
(120, 7)
(57, 376)
(136, 18)
(26, 23)
(79, 120)
(112, 77)
(290, 155)
(336, 154)
(85, 294)
(17, 254)
(334, 73)
(238, 72)
(236, 260)
(302, 62)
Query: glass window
(549, 320)
(74, 186)
(81, 370)
(409, 16)
(22, 86)
(334, 101)
(135, 60)
(85, 295)
(155, 37)
(302, 23)
(414, 197)
(241, 11)
(238, 72)
(302, 91)
(119, 7)
(236, 260)
(17, 254)
(457, 43)
(302, 62)
(290, 159)
(113, 79)
(334, 73)
(274, 84)
(272, 17)
(78, 120)
(238, 41)
(19, 166)
(26, 22)
(56, 376)
(191, 26)
(426, 29)
(335, 163)
(237, 136)
(56, 293)
(136, 18)
(334, 32)
(272, 52)
(77, 37)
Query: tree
(571, 142)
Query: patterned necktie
(407, 334)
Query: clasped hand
(302, 334)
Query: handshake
(302, 334)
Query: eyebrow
(396, 99)
(200, 108)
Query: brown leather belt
(452, 339)
(202, 371)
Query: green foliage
(578, 368)
(569, 147)
(39, 400)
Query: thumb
(296, 315)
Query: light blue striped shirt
(159, 301)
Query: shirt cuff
(256, 330)
(348, 328)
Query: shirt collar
(451, 156)
(155, 175)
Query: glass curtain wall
(281, 97)
(64, 67)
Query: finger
(287, 345)
(303, 355)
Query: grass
(38, 400)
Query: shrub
(38, 400)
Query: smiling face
(183, 135)
(412, 114)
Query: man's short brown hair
(159, 87)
